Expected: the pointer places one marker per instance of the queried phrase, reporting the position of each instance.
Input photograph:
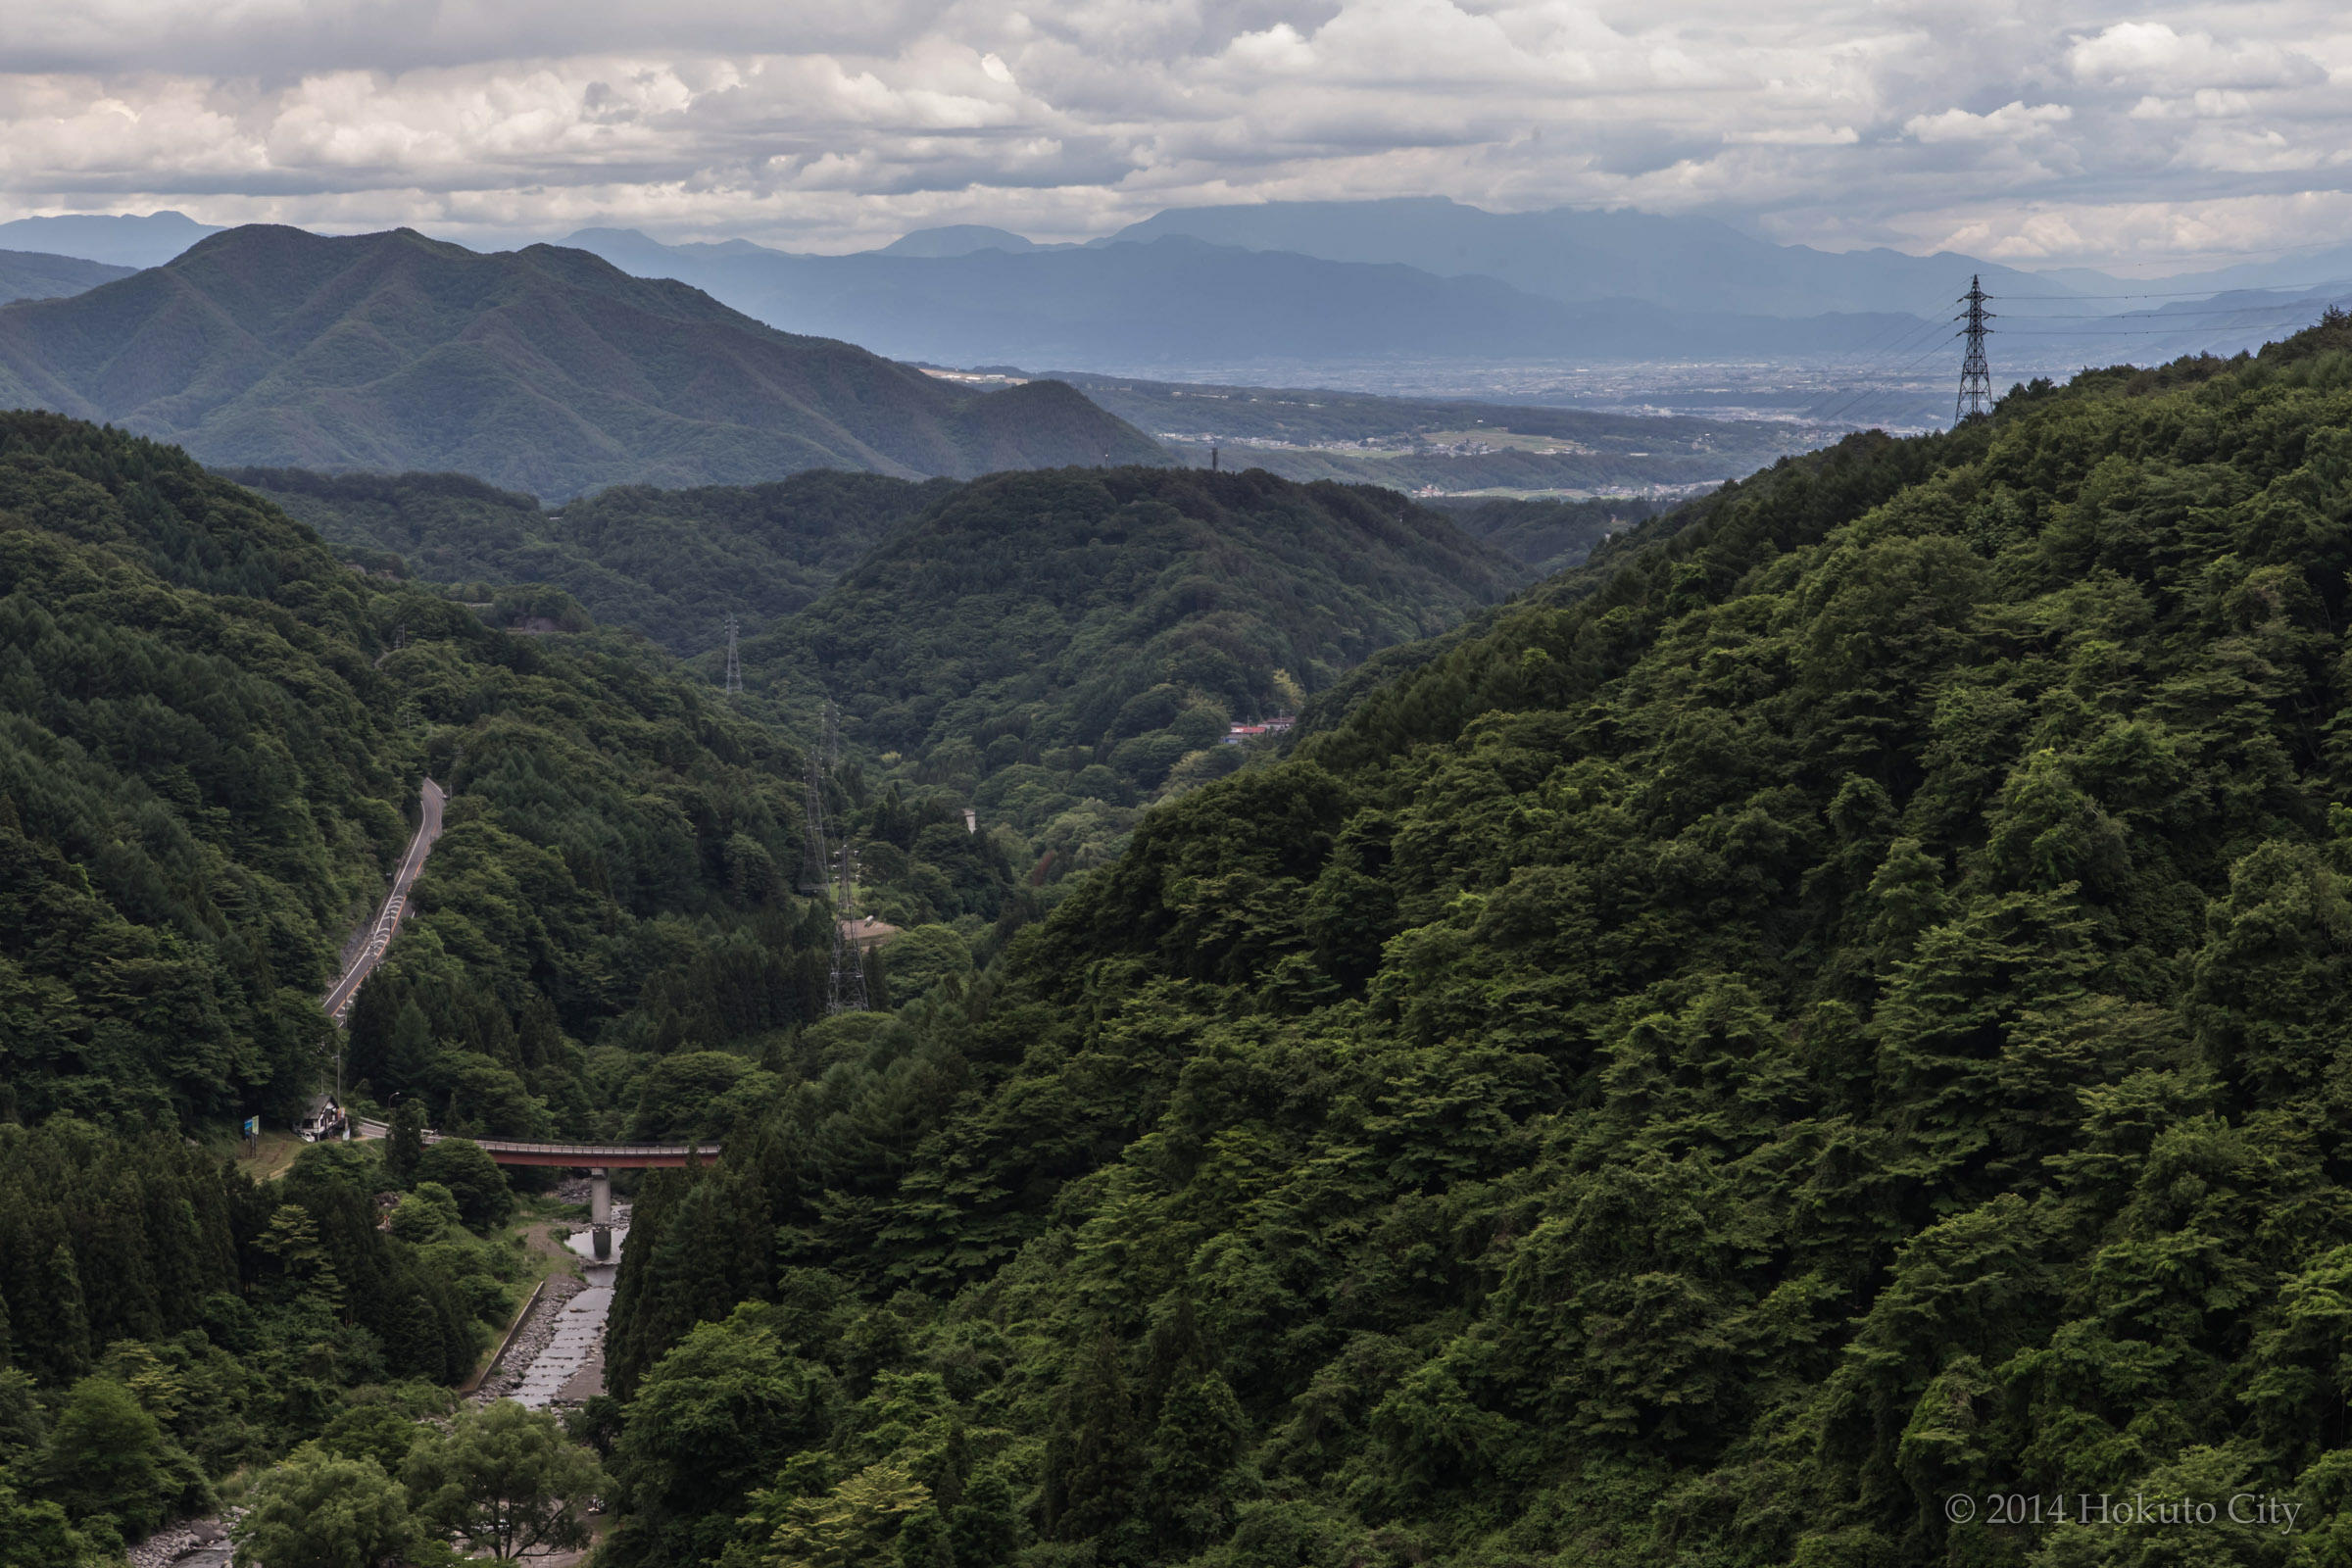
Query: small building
(1238, 734)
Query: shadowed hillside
(670, 564)
(541, 370)
(1058, 648)
(37, 275)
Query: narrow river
(571, 1367)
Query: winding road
(396, 903)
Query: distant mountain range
(134, 240)
(543, 370)
(1581, 256)
(1419, 294)
(35, 275)
(1182, 301)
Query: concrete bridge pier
(600, 1210)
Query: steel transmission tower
(814, 875)
(734, 664)
(845, 978)
(1975, 376)
(849, 958)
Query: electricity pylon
(1975, 376)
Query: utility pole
(1975, 376)
(734, 664)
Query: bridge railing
(627, 1157)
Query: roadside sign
(253, 1126)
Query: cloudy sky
(2145, 138)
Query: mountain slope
(35, 275)
(543, 370)
(670, 564)
(1037, 642)
(1839, 1017)
(210, 734)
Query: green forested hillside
(211, 738)
(1055, 647)
(541, 370)
(671, 563)
(1841, 1015)
(1549, 536)
(1054, 650)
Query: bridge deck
(586, 1156)
(626, 1157)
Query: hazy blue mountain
(543, 369)
(127, 239)
(34, 275)
(1566, 254)
(1178, 301)
(2299, 273)
(959, 239)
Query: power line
(2273, 307)
(2193, 293)
(1902, 343)
(1912, 363)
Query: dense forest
(1055, 649)
(212, 735)
(1059, 648)
(215, 736)
(1547, 535)
(670, 564)
(1831, 1010)
(1825, 1009)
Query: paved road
(396, 903)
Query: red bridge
(576, 1157)
(593, 1157)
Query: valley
(1441, 962)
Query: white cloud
(2012, 122)
(832, 127)
(1817, 135)
(2151, 53)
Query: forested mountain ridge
(1837, 1017)
(543, 369)
(1077, 641)
(211, 733)
(223, 727)
(671, 563)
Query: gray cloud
(2068, 133)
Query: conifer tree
(404, 1145)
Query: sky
(2140, 139)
